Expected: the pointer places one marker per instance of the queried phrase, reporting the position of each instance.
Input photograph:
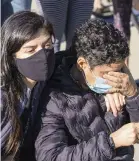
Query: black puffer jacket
(76, 126)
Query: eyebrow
(47, 40)
(33, 46)
(29, 46)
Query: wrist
(133, 92)
(115, 140)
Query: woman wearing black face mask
(27, 62)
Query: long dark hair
(17, 29)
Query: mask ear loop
(93, 76)
(84, 76)
(93, 73)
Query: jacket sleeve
(132, 107)
(52, 143)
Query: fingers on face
(117, 74)
(113, 78)
(115, 90)
(113, 81)
(120, 81)
(113, 84)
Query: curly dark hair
(100, 43)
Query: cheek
(22, 55)
(101, 74)
(89, 77)
(17, 55)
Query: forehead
(111, 67)
(40, 37)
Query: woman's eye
(48, 45)
(29, 51)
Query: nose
(39, 48)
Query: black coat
(26, 150)
(75, 124)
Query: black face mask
(38, 67)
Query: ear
(81, 63)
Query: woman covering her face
(27, 62)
